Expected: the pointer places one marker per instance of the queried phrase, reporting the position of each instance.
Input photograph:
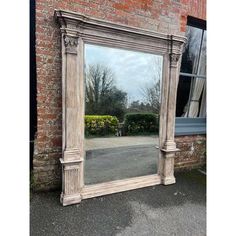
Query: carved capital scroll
(71, 44)
(174, 59)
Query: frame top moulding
(102, 32)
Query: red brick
(148, 14)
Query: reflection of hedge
(138, 123)
(100, 125)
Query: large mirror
(122, 105)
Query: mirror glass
(122, 105)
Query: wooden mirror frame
(76, 30)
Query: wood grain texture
(116, 186)
(77, 29)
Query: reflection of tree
(102, 96)
(152, 96)
(152, 91)
(137, 106)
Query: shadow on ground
(178, 209)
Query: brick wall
(168, 16)
(193, 152)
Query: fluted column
(73, 125)
(168, 149)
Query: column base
(168, 180)
(70, 199)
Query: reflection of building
(171, 18)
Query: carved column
(168, 149)
(72, 121)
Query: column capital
(174, 59)
(71, 43)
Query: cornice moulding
(76, 22)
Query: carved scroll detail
(174, 58)
(71, 44)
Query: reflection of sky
(132, 70)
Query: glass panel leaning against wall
(122, 106)
(191, 94)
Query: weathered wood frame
(76, 30)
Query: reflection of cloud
(132, 70)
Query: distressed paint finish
(157, 15)
(77, 29)
(73, 118)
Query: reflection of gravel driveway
(112, 142)
(102, 165)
